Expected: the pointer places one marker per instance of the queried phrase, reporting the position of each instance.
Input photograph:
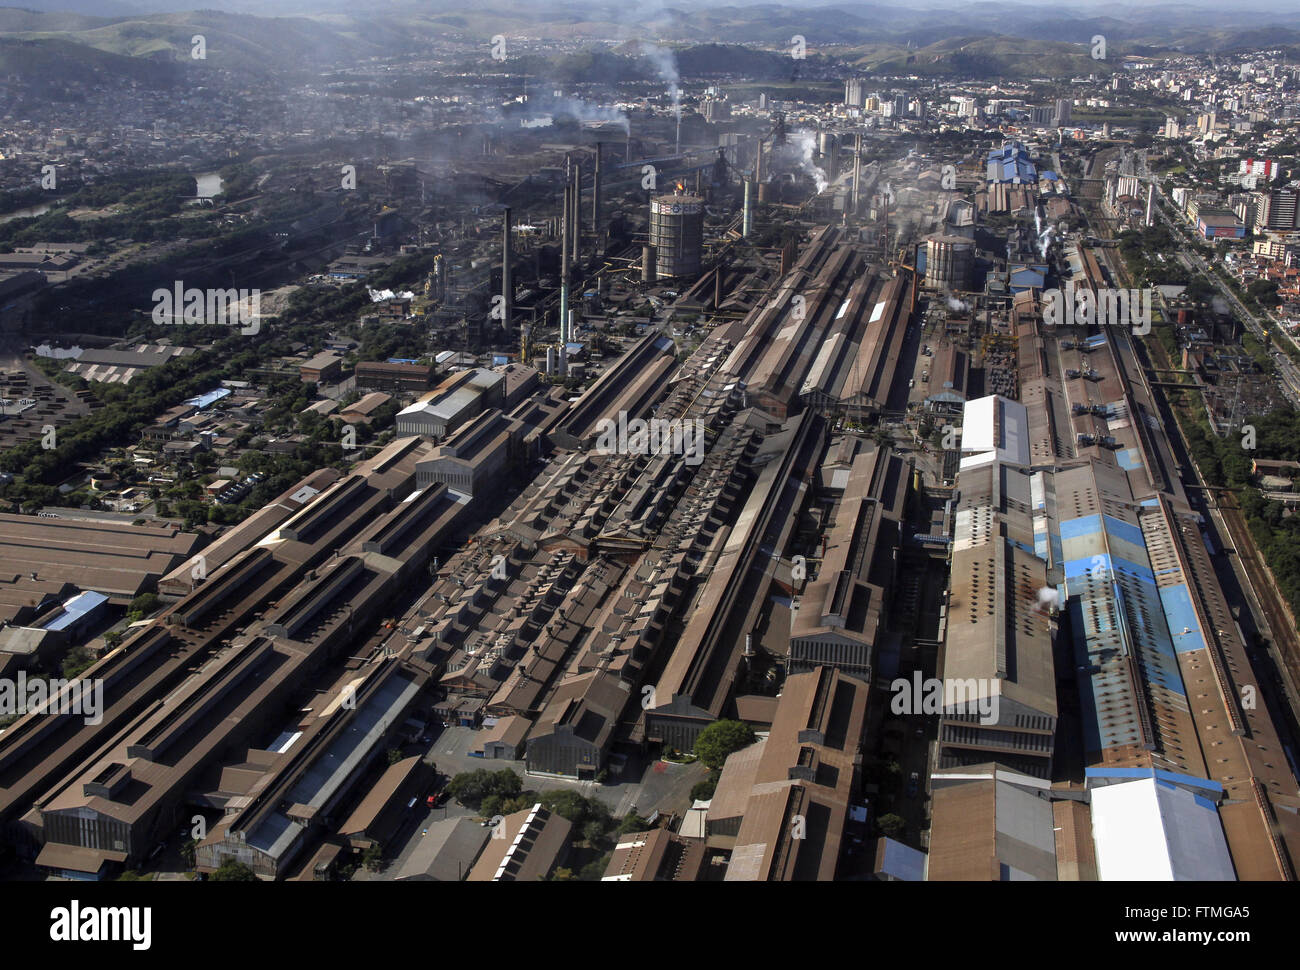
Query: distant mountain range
(977, 39)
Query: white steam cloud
(665, 65)
(798, 153)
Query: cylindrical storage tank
(677, 234)
(550, 360)
(949, 261)
(647, 264)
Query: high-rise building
(854, 93)
(1042, 116)
(716, 110)
(1276, 210)
(1063, 106)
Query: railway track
(1280, 622)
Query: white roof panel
(1151, 830)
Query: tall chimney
(717, 288)
(857, 169)
(575, 233)
(567, 224)
(507, 279)
(595, 196)
(748, 211)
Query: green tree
(890, 825)
(78, 660)
(144, 604)
(394, 755)
(720, 739)
(702, 791)
(372, 858)
(232, 870)
(632, 822)
(593, 871)
(577, 808)
(471, 787)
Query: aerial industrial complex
(887, 474)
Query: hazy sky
(1120, 9)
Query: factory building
(843, 607)
(1099, 549)
(695, 687)
(119, 560)
(95, 805)
(534, 843)
(452, 403)
(807, 767)
(992, 824)
(474, 458)
(1011, 163)
(833, 345)
(999, 676)
(393, 377)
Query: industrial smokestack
(566, 222)
(857, 169)
(748, 216)
(575, 233)
(595, 196)
(507, 279)
(717, 288)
